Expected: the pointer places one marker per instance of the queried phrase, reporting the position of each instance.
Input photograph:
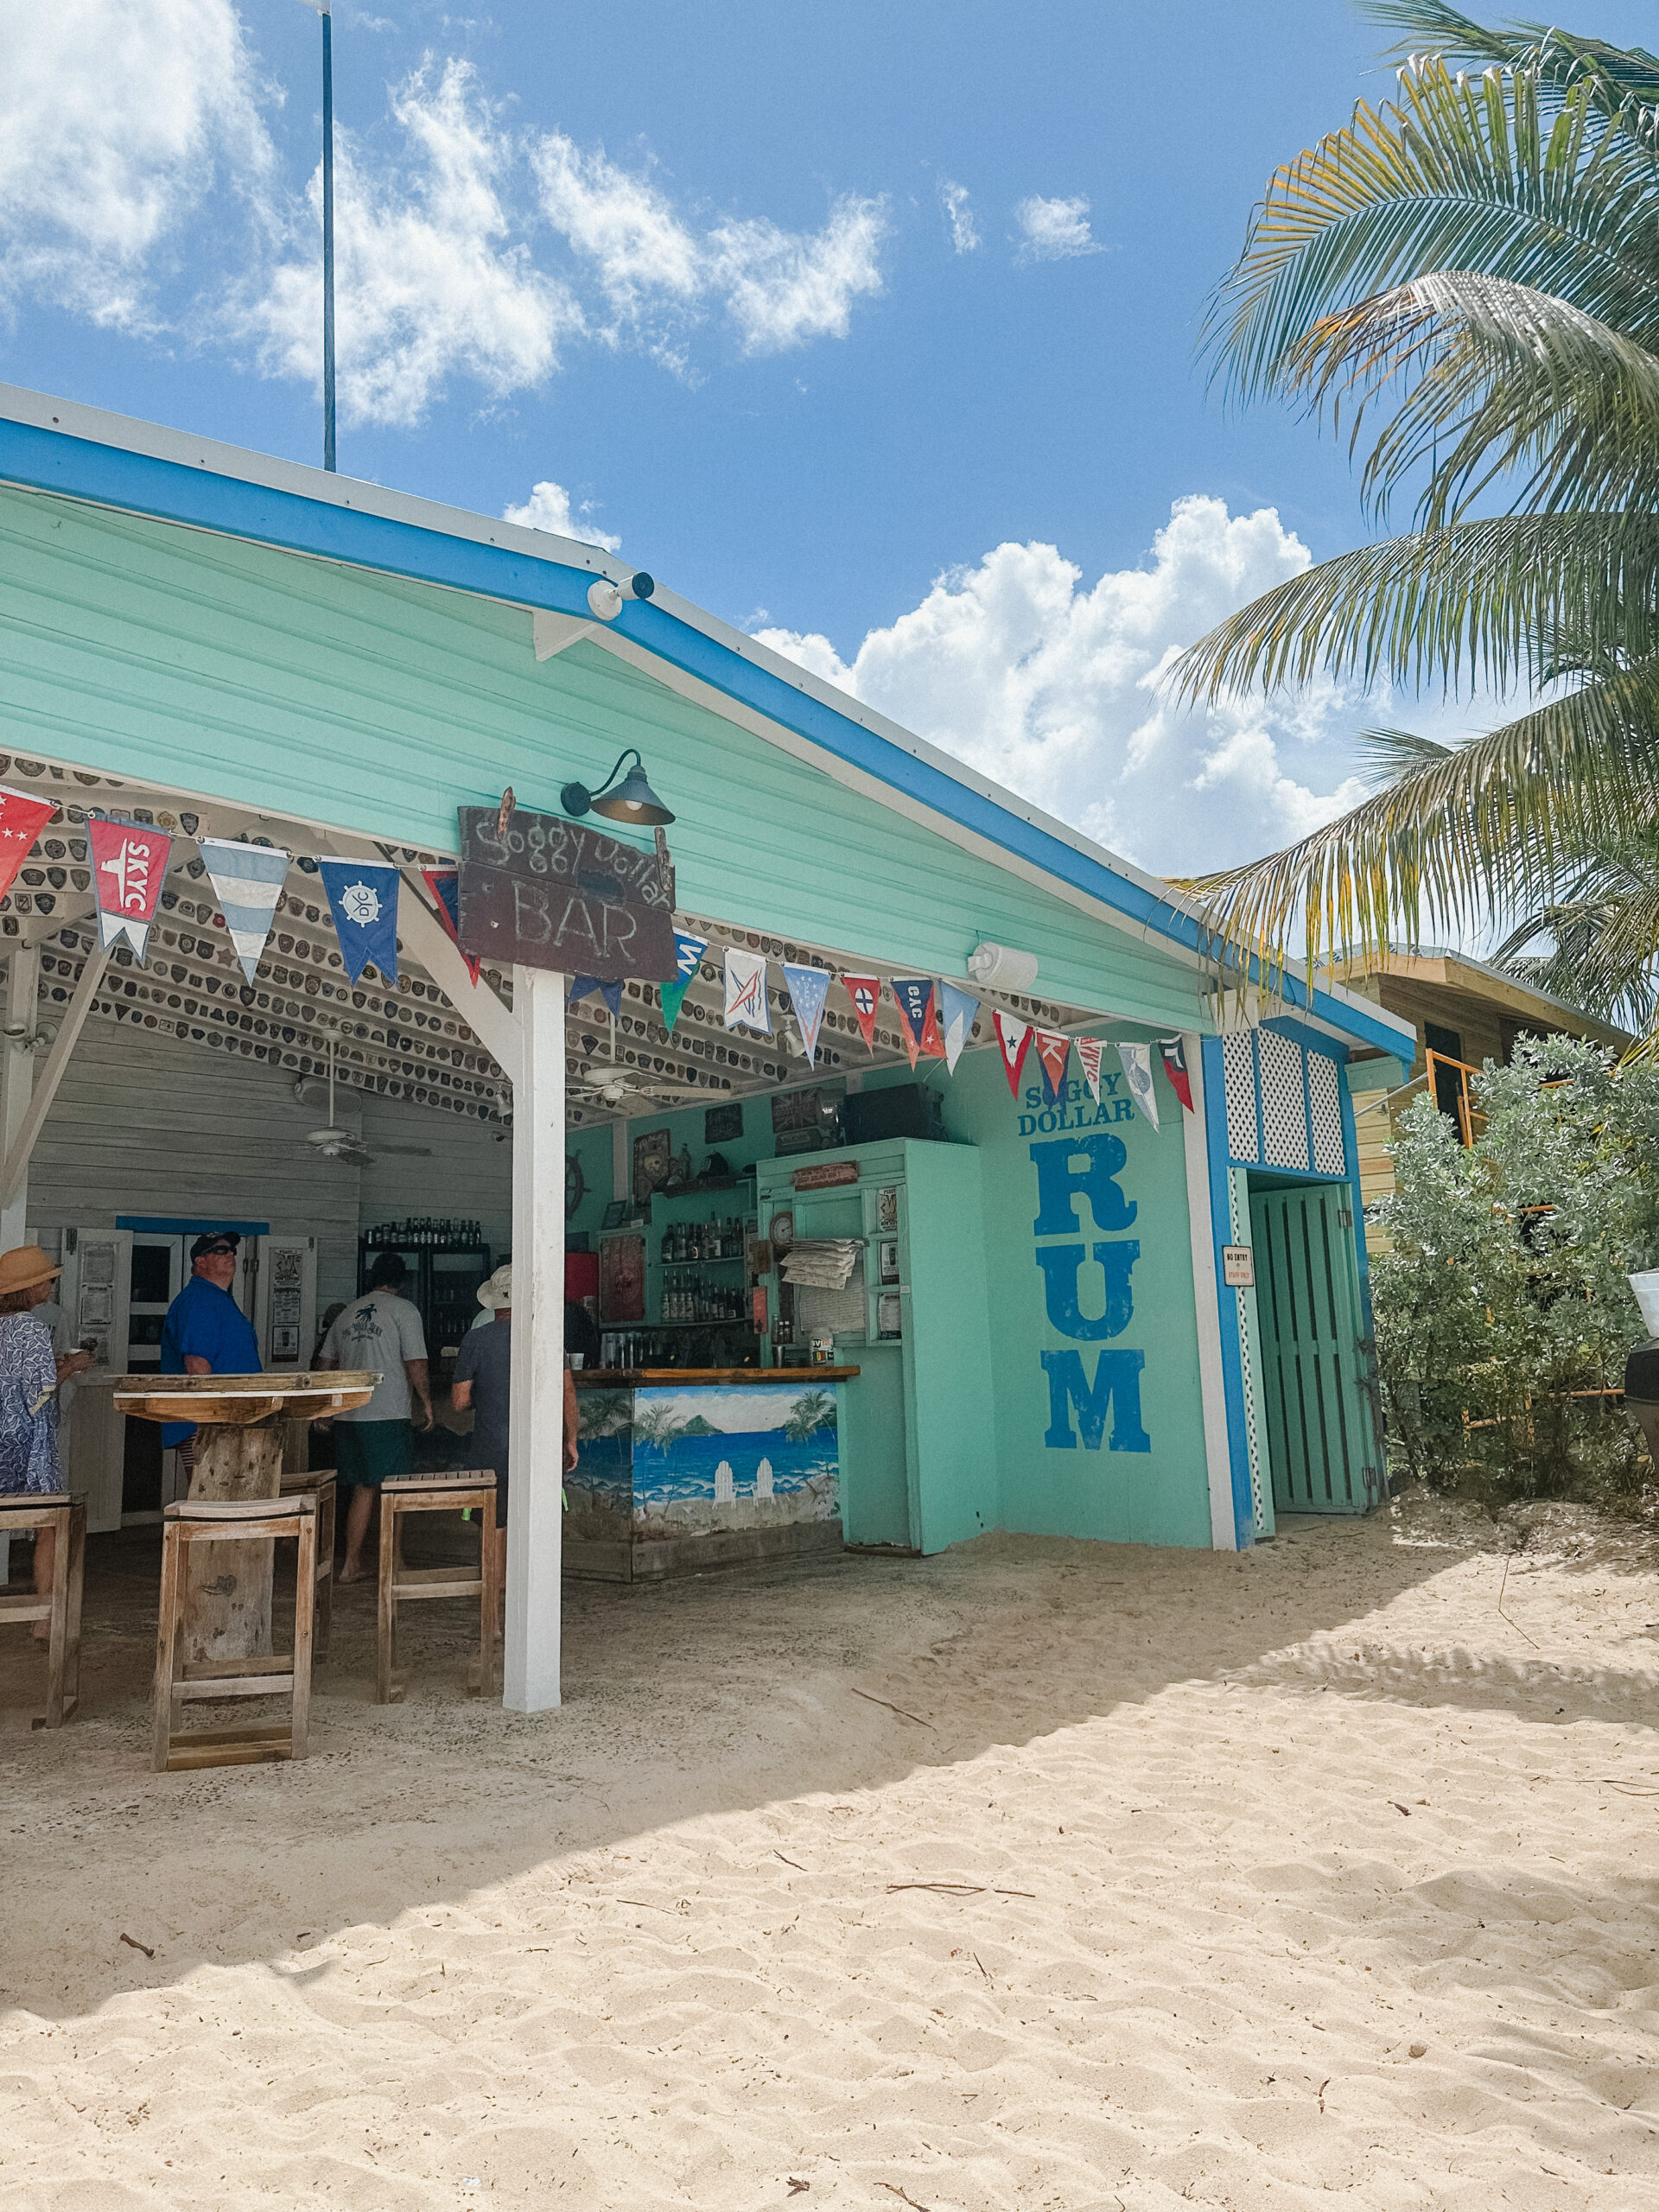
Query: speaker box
(907, 1109)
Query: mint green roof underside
(307, 689)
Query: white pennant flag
(1088, 1050)
(249, 881)
(1137, 1067)
(745, 991)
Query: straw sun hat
(494, 1293)
(22, 1269)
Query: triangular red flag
(22, 817)
(444, 884)
(1053, 1049)
(1175, 1067)
(864, 992)
(1013, 1042)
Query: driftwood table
(239, 1426)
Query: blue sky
(870, 328)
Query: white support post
(536, 1423)
(14, 1175)
(17, 1078)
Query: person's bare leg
(358, 1517)
(46, 1554)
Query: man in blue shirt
(206, 1331)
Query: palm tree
(1467, 280)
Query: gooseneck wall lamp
(632, 801)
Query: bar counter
(682, 1469)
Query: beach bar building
(1053, 1230)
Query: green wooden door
(1321, 1438)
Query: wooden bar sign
(825, 1178)
(549, 892)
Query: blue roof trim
(201, 498)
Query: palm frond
(1455, 174)
(1623, 81)
(1389, 755)
(1476, 600)
(1480, 829)
(1511, 377)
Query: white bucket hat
(498, 1291)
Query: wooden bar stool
(319, 1484)
(469, 1490)
(179, 1682)
(57, 1510)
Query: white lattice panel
(1254, 1419)
(1284, 1102)
(1325, 1109)
(1238, 1071)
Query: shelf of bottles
(426, 1233)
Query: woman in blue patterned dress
(29, 1375)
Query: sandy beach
(1037, 1873)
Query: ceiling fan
(345, 1145)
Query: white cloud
(964, 231)
(1054, 229)
(659, 273)
(548, 508)
(1053, 690)
(118, 119)
(785, 287)
(640, 249)
(429, 279)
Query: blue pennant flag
(364, 896)
(807, 989)
(611, 993)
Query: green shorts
(366, 1452)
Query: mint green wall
(1160, 1496)
(317, 691)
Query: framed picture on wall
(653, 1160)
(622, 1279)
(723, 1124)
(794, 1109)
(616, 1214)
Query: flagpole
(325, 11)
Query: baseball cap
(216, 1240)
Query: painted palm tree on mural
(1466, 281)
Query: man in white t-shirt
(382, 1331)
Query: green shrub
(1503, 1310)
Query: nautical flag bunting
(1175, 1067)
(1137, 1067)
(688, 955)
(249, 881)
(1053, 1049)
(611, 993)
(22, 817)
(958, 1009)
(745, 991)
(807, 989)
(914, 995)
(444, 884)
(864, 992)
(1089, 1052)
(364, 896)
(1013, 1042)
(129, 868)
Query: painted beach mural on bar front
(662, 1461)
